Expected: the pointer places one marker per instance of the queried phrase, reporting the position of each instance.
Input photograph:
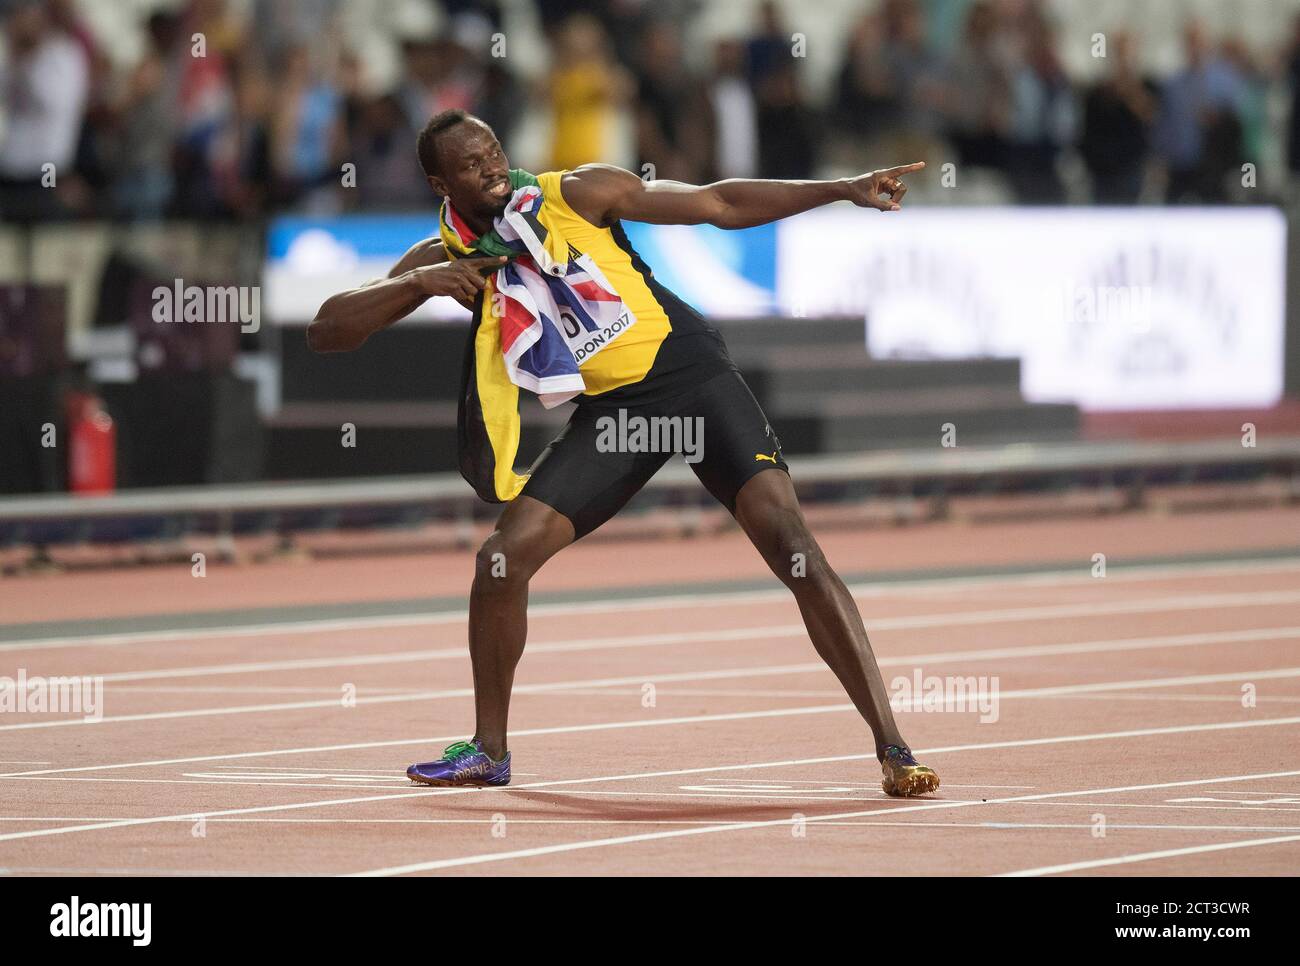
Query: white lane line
(744, 796)
(1184, 698)
(1148, 856)
(487, 857)
(438, 740)
(1260, 791)
(561, 729)
(789, 762)
(1100, 691)
(1210, 808)
(248, 689)
(1114, 645)
(1171, 682)
(397, 781)
(287, 769)
(1110, 826)
(859, 824)
(401, 782)
(119, 873)
(715, 637)
(919, 702)
(706, 693)
(862, 590)
(638, 679)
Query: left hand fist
(883, 189)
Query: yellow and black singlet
(671, 346)
(669, 349)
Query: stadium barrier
(286, 509)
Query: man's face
(474, 173)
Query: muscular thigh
(585, 480)
(737, 441)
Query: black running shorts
(608, 451)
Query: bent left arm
(604, 194)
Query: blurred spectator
(788, 132)
(201, 67)
(1252, 103)
(735, 149)
(1042, 118)
(388, 175)
(278, 26)
(1292, 68)
(85, 191)
(146, 121)
(866, 97)
(496, 97)
(66, 17)
(501, 101)
(771, 46)
(1199, 129)
(240, 155)
(440, 75)
(43, 88)
(242, 109)
(586, 91)
(622, 20)
(674, 122)
(979, 93)
(891, 79)
(1117, 117)
(306, 129)
(788, 128)
(915, 68)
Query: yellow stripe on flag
(499, 399)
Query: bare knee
(512, 553)
(793, 553)
(501, 564)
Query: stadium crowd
(236, 108)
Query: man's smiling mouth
(499, 189)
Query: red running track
(1142, 723)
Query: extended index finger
(905, 168)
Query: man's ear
(437, 184)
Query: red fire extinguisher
(92, 445)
